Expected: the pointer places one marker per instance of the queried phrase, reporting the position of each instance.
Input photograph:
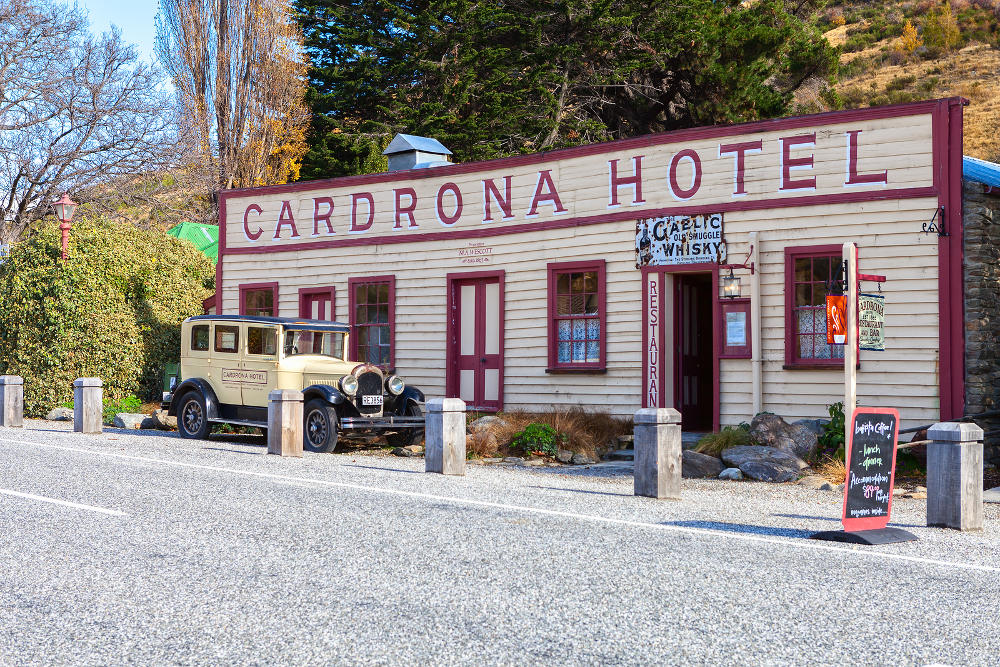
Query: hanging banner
(836, 320)
(871, 322)
(679, 239)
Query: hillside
(894, 52)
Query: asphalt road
(126, 548)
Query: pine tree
(941, 33)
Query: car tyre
(319, 428)
(192, 416)
(409, 436)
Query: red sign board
(836, 320)
(871, 468)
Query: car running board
(381, 422)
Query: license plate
(372, 400)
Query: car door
(227, 362)
(260, 363)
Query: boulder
(513, 459)
(484, 423)
(581, 459)
(765, 464)
(133, 421)
(817, 426)
(734, 474)
(772, 431)
(164, 421)
(564, 456)
(60, 415)
(696, 465)
(403, 451)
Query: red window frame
(306, 292)
(734, 351)
(554, 271)
(352, 283)
(792, 360)
(248, 287)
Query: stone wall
(981, 219)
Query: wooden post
(756, 362)
(88, 405)
(850, 255)
(445, 436)
(955, 476)
(657, 445)
(284, 422)
(11, 401)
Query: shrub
(111, 310)
(539, 439)
(729, 436)
(941, 32)
(585, 432)
(129, 404)
(831, 440)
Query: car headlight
(349, 385)
(395, 384)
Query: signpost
(871, 472)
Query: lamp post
(65, 208)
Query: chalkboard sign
(871, 468)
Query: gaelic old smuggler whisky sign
(679, 239)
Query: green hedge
(111, 310)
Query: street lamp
(65, 208)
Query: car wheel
(192, 417)
(319, 427)
(408, 436)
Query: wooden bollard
(955, 476)
(444, 449)
(88, 405)
(284, 422)
(11, 400)
(657, 445)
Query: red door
(475, 349)
(317, 303)
(693, 378)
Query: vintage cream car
(230, 363)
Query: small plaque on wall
(734, 339)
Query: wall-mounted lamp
(730, 283)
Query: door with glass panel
(476, 341)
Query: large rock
(133, 421)
(60, 415)
(734, 474)
(765, 464)
(817, 426)
(581, 460)
(771, 431)
(697, 465)
(485, 423)
(564, 455)
(164, 421)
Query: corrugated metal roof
(981, 171)
(409, 142)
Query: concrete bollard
(658, 453)
(11, 401)
(88, 405)
(444, 449)
(955, 476)
(284, 422)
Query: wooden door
(317, 303)
(693, 350)
(476, 345)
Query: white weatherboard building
(591, 276)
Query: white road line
(65, 503)
(800, 544)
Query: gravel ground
(222, 554)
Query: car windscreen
(304, 341)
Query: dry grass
(832, 470)
(587, 432)
(730, 436)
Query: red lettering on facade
(370, 200)
(550, 194)
(853, 177)
(325, 216)
(491, 194)
(676, 190)
(457, 213)
(285, 218)
(739, 167)
(788, 162)
(251, 236)
(634, 181)
(407, 210)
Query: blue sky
(134, 17)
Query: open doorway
(694, 380)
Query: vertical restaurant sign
(871, 320)
(871, 468)
(653, 327)
(836, 320)
(679, 239)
